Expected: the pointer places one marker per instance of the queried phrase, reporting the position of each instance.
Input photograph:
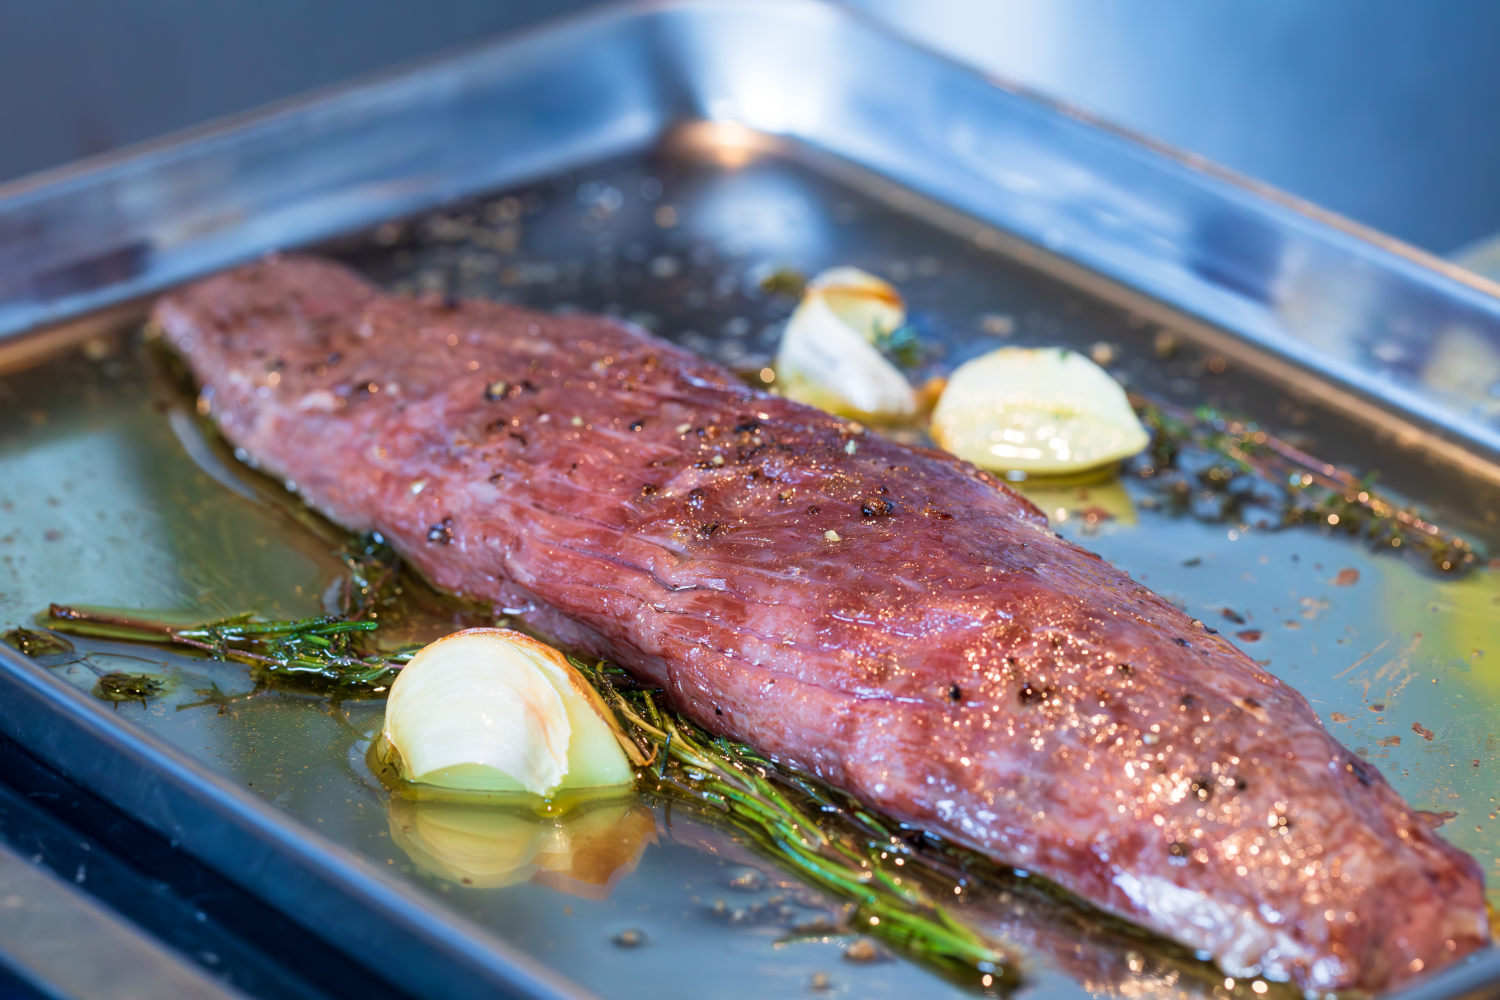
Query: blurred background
(1375, 109)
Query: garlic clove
(1043, 411)
(827, 357)
(493, 710)
(595, 757)
(868, 305)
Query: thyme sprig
(1218, 466)
(826, 837)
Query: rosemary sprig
(331, 652)
(826, 837)
(1217, 466)
(324, 649)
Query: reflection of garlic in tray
(486, 846)
(492, 710)
(1046, 411)
(828, 356)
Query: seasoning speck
(1347, 577)
(749, 880)
(832, 536)
(997, 324)
(684, 428)
(851, 447)
(495, 390)
(863, 951)
(629, 938)
(442, 532)
(576, 421)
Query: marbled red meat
(892, 619)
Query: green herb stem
(321, 648)
(1223, 466)
(810, 828)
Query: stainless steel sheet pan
(655, 162)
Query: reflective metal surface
(109, 495)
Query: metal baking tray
(654, 162)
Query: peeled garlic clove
(827, 356)
(1046, 411)
(489, 709)
(868, 305)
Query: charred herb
(117, 687)
(372, 582)
(29, 642)
(215, 697)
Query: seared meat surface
(890, 619)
